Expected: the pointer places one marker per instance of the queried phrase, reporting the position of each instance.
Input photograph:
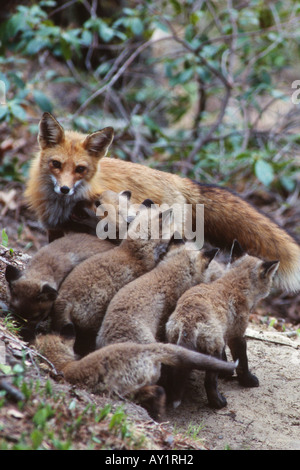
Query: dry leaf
(15, 413)
(8, 199)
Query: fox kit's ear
(269, 268)
(12, 273)
(236, 251)
(126, 194)
(176, 239)
(50, 131)
(210, 254)
(47, 293)
(147, 203)
(98, 143)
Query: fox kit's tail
(177, 356)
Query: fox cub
(209, 316)
(85, 294)
(139, 311)
(33, 290)
(127, 369)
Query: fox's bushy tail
(227, 217)
(178, 356)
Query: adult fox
(72, 166)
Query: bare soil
(266, 417)
(262, 418)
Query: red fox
(72, 166)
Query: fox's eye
(80, 169)
(56, 164)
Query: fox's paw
(217, 402)
(248, 380)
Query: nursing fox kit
(72, 166)
(139, 311)
(210, 316)
(33, 290)
(85, 294)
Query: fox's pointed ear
(236, 251)
(47, 293)
(176, 239)
(98, 143)
(51, 132)
(148, 203)
(269, 268)
(126, 194)
(210, 254)
(12, 273)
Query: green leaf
(18, 112)
(4, 238)
(5, 369)
(36, 45)
(105, 32)
(3, 112)
(42, 101)
(36, 438)
(264, 172)
(136, 26)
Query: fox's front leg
(177, 384)
(215, 398)
(238, 348)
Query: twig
(119, 73)
(14, 392)
(253, 335)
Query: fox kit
(33, 290)
(127, 369)
(209, 316)
(85, 294)
(72, 166)
(139, 311)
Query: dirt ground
(262, 418)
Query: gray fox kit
(139, 311)
(126, 369)
(209, 316)
(85, 294)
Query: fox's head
(261, 273)
(30, 299)
(70, 158)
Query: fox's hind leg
(177, 381)
(215, 398)
(238, 347)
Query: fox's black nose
(64, 189)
